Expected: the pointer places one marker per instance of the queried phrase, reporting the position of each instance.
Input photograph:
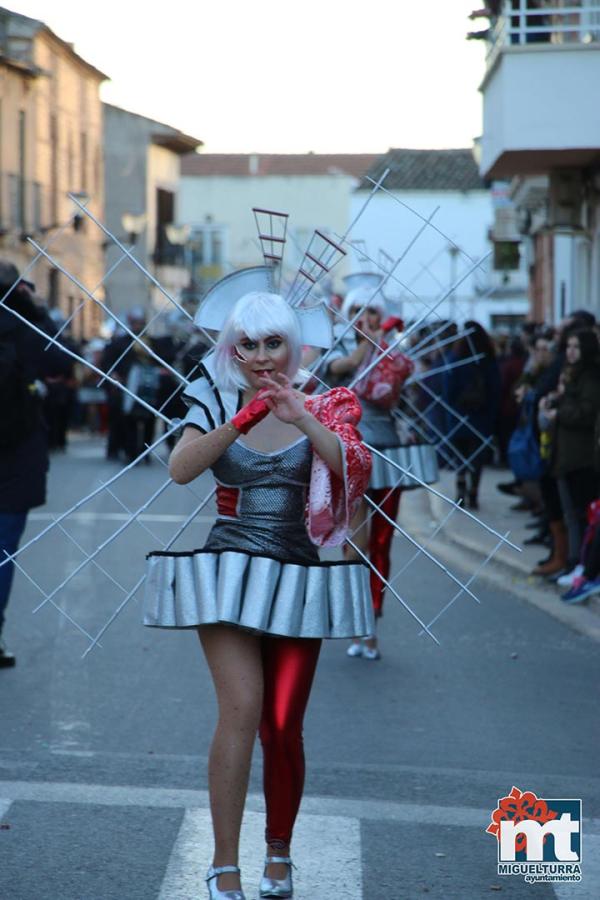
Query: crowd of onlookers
(555, 451)
(532, 402)
(152, 372)
(86, 396)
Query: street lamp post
(133, 225)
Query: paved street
(102, 761)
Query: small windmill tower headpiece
(319, 258)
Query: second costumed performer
(290, 472)
(380, 394)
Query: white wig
(256, 315)
(363, 296)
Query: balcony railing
(557, 22)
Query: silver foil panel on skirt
(418, 460)
(324, 600)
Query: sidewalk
(466, 542)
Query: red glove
(250, 414)
(392, 322)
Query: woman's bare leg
(235, 662)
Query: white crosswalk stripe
(327, 837)
(589, 886)
(377, 810)
(319, 876)
(4, 807)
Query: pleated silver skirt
(256, 592)
(418, 460)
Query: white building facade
(437, 218)
(541, 128)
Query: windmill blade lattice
(321, 256)
(271, 228)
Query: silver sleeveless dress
(379, 429)
(258, 568)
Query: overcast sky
(285, 77)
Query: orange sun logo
(518, 806)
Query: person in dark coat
(472, 390)
(545, 392)
(511, 369)
(431, 386)
(574, 410)
(130, 425)
(23, 434)
(61, 387)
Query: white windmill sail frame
(49, 597)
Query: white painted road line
(318, 876)
(4, 807)
(189, 860)
(589, 886)
(70, 698)
(377, 810)
(336, 818)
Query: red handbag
(382, 385)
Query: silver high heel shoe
(277, 887)
(213, 891)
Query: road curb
(468, 552)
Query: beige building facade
(219, 191)
(142, 182)
(51, 139)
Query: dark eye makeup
(272, 343)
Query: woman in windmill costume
(379, 391)
(290, 472)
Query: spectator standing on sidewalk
(130, 425)
(433, 355)
(511, 366)
(574, 410)
(472, 390)
(544, 490)
(23, 435)
(546, 386)
(61, 386)
(588, 583)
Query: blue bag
(524, 449)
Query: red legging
(289, 666)
(380, 539)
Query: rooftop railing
(555, 22)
